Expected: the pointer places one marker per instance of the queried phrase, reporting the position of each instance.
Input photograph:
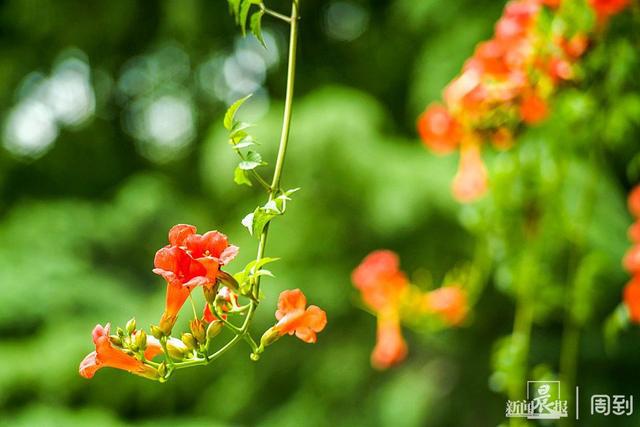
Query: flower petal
(89, 365)
(289, 301)
(179, 233)
(228, 254)
(315, 318)
(306, 335)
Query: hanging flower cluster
(386, 291)
(190, 261)
(508, 82)
(631, 261)
(193, 260)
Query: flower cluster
(631, 261)
(194, 260)
(386, 291)
(508, 82)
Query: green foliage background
(79, 226)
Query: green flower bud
(131, 326)
(214, 329)
(141, 340)
(120, 332)
(189, 341)
(162, 369)
(176, 348)
(115, 340)
(156, 332)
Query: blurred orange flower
(631, 261)
(470, 182)
(379, 279)
(438, 129)
(633, 201)
(533, 109)
(294, 318)
(390, 346)
(632, 299)
(605, 8)
(449, 302)
(634, 232)
(106, 355)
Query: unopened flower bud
(176, 348)
(214, 329)
(131, 326)
(189, 341)
(197, 329)
(115, 340)
(120, 332)
(140, 339)
(162, 369)
(156, 332)
(269, 337)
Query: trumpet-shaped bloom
(448, 302)
(632, 299)
(182, 274)
(390, 346)
(106, 355)
(294, 318)
(211, 249)
(380, 280)
(190, 260)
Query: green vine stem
(571, 335)
(242, 333)
(284, 135)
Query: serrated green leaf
(230, 115)
(245, 142)
(241, 177)
(256, 26)
(252, 161)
